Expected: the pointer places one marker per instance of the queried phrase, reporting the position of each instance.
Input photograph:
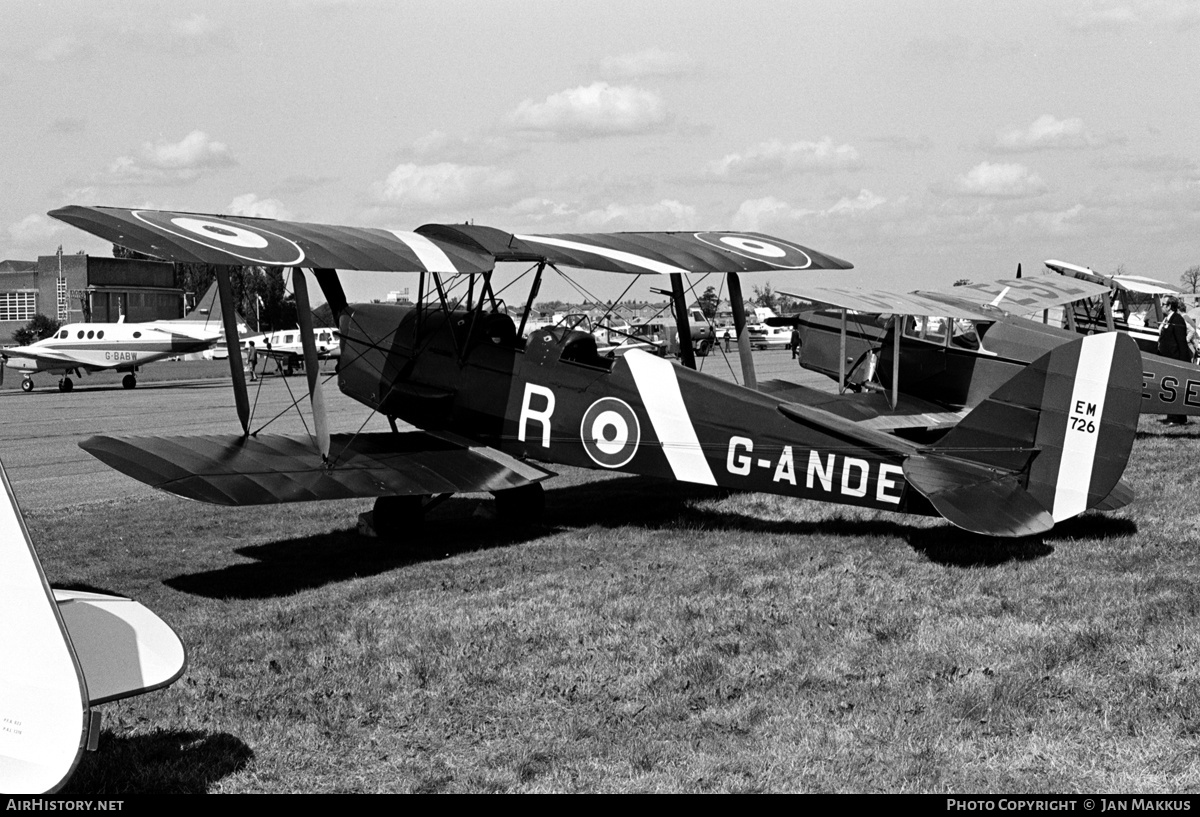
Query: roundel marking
(774, 251)
(610, 432)
(237, 236)
(248, 242)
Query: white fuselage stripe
(1079, 446)
(648, 264)
(428, 253)
(659, 389)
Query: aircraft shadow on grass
(166, 762)
(460, 525)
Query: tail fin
(1047, 445)
(63, 653)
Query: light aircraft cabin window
(100, 334)
(137, 334)
(287, 338)
(91, 334)
(62, 334)
(80, 335)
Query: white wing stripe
(1079, 446)
(429, 254)
(648, 264)
(659, 390)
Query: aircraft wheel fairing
(393, 515)
(27, 385)
(129, 381)
(521, 506)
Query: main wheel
(129, 381)
(27, 385)
(521, 506)
(65, 384)
(392, 516)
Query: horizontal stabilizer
(977, 498)
(267, 469)
(123, 648)
(850, 430)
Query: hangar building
(80, 288)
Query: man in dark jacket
(1173, 343)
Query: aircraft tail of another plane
(63, 653)
(1049, 444)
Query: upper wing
(882, 302)
(445, 248)
(237, 240)
(1023, 295)
(641, 253)
(227, 470)
(1133, 283)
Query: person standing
(1173, 343)
(252, 359)
(795, 342)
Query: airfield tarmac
(40, 431)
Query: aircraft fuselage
(552, 398)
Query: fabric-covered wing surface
(443, 248)
(882, 302)
(236, 240)
(1023, 295)
(227, 470)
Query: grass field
(648, 637)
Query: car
(770, 337)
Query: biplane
(487, 408)
(63, 653)
(954, 346)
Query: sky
(923, 140)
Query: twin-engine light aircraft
(64, 652)
(1047, 444)
(949, 349)
(94, 347)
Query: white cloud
(758, 214)
(64, 47)
(1000, 181)
(1088, 15)
(170, 162)
(1051, 222)
(598, 109)
(649, 62)
(775, 158)
(251, 205)
(1047, 132)
(667, 214)
(445, 184)
(34, 231)
(438, 146)
(197, 26)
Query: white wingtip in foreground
(61, 653)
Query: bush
(37, 329)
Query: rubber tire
(66, 384)
(393, 516)
(521, 506)
(129, 381)
(26, 385)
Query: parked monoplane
(1049, 443)
(94, 347)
